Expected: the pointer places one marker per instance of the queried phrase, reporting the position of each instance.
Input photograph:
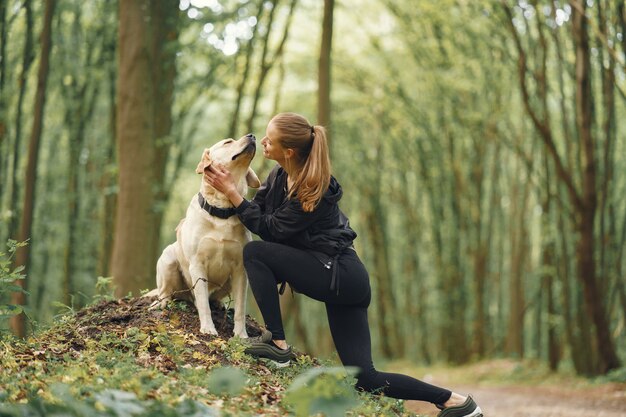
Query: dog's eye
(229, 141)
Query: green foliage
(104, 289)
(9, 277)
(617, 375)
(107, 403)
(323, 390)
(65, 309)
(119, 358)
(226, 380)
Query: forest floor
(117, 355)
(552, 395)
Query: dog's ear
(252, 179)
(204, 163)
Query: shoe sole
(276, 363)
(476, 413)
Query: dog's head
(234, 155)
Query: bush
(9, 278)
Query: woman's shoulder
(277, 171)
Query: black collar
(222, 213)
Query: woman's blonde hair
(311, 154)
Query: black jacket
(325, 231)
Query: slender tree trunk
(385, 298)
(241, 88)
(519, 253)
(264, 66)
(621, 21)
(376, 224)
(27, 60)
(324, 71)
(549, 269)
(143, 94)
(22, 256)
(3, 100)
(415, 291)
(108, 180)
(457, 349)
(268, 64)
(164, 47)
(481, 263)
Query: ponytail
(311, 151)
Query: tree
(324, 69)
(147, 35)
(22, 256)
(581, 178)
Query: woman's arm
(280, 225)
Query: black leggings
(269, 264)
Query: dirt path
(539, 401)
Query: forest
(481, 147)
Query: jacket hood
(334, 192)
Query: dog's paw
(208, 330)
(240, 331)
(242, 335)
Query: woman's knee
(254, 250)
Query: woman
(307, 243)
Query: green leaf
(121, 403)
(334, 406)
(322, 390)
(226, 380)
(10, 310)
(189, 408)
(307, 377)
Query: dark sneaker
(467, 409)
(267, 350)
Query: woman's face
(272, 149)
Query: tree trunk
(108, 180)
(241, 87)
(22, 256)
(587, 212)
(386, 310)
(3, 113)
(143, 95)
(324, 70)
(376, 225)
(267, 64)
(164, 46)
(27, 60)
(519, 253)
(549, 268)
(456, 347)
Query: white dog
(206, 261)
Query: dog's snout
(251, 136)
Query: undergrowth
(117, 358)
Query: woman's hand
(219, 178)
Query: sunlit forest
(481, 147)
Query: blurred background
(480, 145)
